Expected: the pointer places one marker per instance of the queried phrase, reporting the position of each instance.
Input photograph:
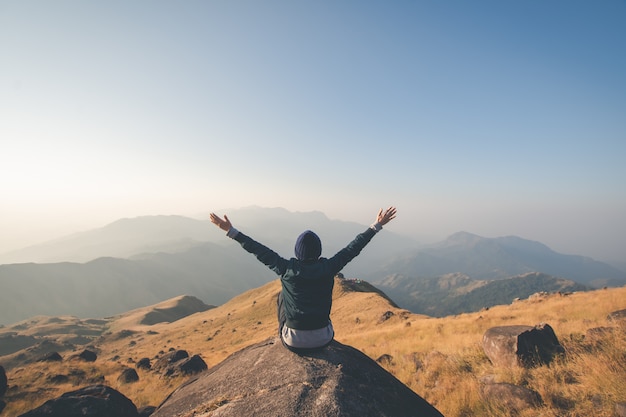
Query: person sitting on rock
(305, 300)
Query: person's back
(305, 301)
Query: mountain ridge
(218, 269)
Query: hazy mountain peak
(462, 239)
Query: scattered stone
(128, 375)
(385, 359)
(192, 365)
(51, 357)
(144, 363)
(523, 346)
(385, 316)
(268, 380)
(620, 410)
(169, 358)
(85, 355)
(512, 397)
(92, 401)
(178, 362)
(146, 411)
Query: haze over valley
(136, 262)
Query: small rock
(144, 363)
(86, 355)
(385, 316)
(128, 376)
(385, 359)
(192, 365)
(146, 411)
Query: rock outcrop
(267, 379)
(523, 346)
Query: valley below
(441, 359)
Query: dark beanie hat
(308, 246)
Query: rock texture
(524, 346)
(268, 380)
(3, 382)
(92, 401)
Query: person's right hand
(385, 217)
(223, 224)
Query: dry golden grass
(439, 358)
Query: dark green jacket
(307, 286)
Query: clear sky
(492, 117)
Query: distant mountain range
(136, 262)
(121, 239)
(499, 258)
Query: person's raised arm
(223, 224)
(385, 217)
(264, 254)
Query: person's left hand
(385, 217)
(223, 224)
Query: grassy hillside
(439, 358)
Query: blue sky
(497, 118)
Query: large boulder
(92, 401)
(268, 380)
(523, 346)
